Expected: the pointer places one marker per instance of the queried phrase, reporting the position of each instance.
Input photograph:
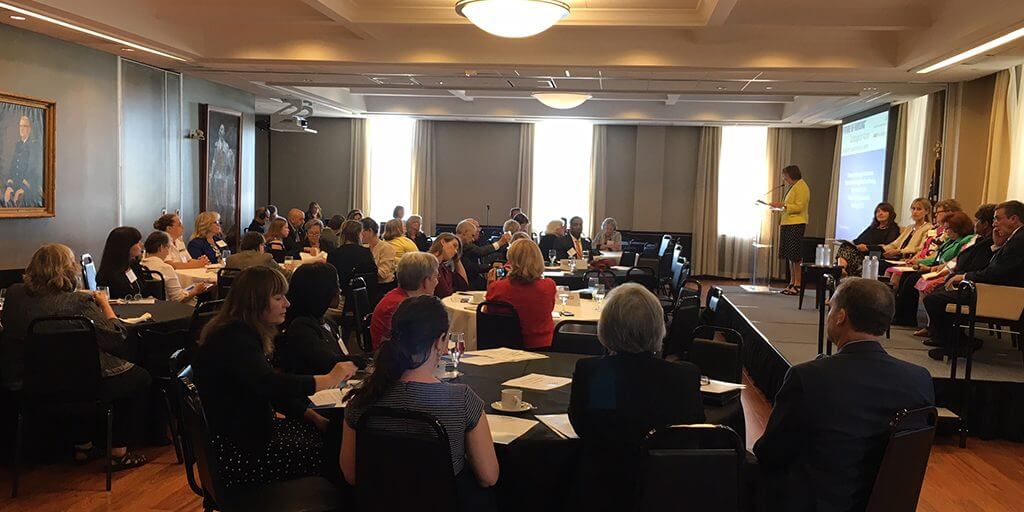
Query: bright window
(562, 175)
(390, 158)
(742, 179)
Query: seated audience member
(314, 212)
(158, 246)
(178, 256)
(259, 221)
(271, 213)
(511, 226)
(403, 378)
(394, 234)
(520, 235)
(207, 237)
(311, 343)
(332, 231)
(383, 252)
(251, 254)
(934, 239)
(577, 241)
(824, 440)
(119, 269)
(242, 393)
(51, 289)
(417, 275)
(523, 220)
(468, 232)
(414, 232)
(315, 243)
(398, 213)
(883, 230)
(912, 237)
(554, 239)
(350, 258)
(529, 293)
(293, 239)
(1005, 268)
(276, 235)
(619, 398)
(609, 238)
(451, 276)
(515, 210)
(356, 215)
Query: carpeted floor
(794, 333)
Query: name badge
(572, 252)
(222, 244)
(130, 274)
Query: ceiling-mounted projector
(292, 117)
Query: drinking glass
(552, 255)
(137, 297)
(288, 261)
(563, 297)
(458, 350)
(105, 290)
(592, 284)
(599, 294)
(586, 255)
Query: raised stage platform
(777, 335)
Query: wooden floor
(986, 476)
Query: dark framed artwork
(27, 148)
(220, 185)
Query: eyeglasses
(217, 222)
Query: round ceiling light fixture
(562, 100)
(513, 18)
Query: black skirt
(792, 236)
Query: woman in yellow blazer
(794, 222)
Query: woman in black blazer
(617, 399)
(351, 258)
(311, 343)
(241, 391)
(119, 267)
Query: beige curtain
(913, 159)
(898, 167)
(424, 174)
(780, 147)
(833, 194)
(359, 184)
(999, 157)
(524, 185)
(704, 251)
(599, 183)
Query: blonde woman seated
(609, 238)
(394, 234)
(207, 238)
(529, 293)
(158, 246)
(912, 237)
(178, 257)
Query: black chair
(179, 364)
(425, 468)
(665, 251)
(815, 274)
(685, 317)
(644, 276)
(497, 325)
(88, 272)
(201, 316)
(604, 277)
(692, 467)
(362, 313)
(307, 494)
(152, 284)
(225, 278)
(629, 258)
(901, 473)
(576, 337)
(62, 379)
(717, 359)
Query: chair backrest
(577, 337)
(62, 360)
(717, 359)
(603, 277)
(88, 272)
(678, 267)
(196, 433)
(645, 276)
(152, 284)
(225, 278)
(497, 325)
(665, 251)
(685, 318)
(901, 473)
(363, 314)
(181, 370)
(201, 316)
(629, 258)
(411, 447)
(692, 467)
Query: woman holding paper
(793, 224)
(619, 398)
(403, 378)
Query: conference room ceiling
(783, 62)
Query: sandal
(923, 332)
(127, 461)
(86, 455)
(789, 291)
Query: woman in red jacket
(532, 295)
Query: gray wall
(84, 84)
(812, 150)
(307, 167)
(477, 165)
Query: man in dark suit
(259, 221)
(826, 435)
(1005, 268)
(293, 242)
(468, 231)
(577, 242)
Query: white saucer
(523, 407)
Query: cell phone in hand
(500, 272)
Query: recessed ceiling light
(982, 48)
(43, 17)
(513, 18)
(768, 88)
(127, 49)
(18, 18)
(721, 88)
(561, 100)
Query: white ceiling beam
(672, 99)
(716, 11)
(460, 94)
(342, 12)
(849, 18)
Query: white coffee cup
(511, 399)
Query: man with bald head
(293, 243)
(468, 231)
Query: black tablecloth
(147, 350)
(578, 280)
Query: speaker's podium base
(756, 285)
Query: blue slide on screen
(861, 173)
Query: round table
(151, 343)
(462, 314)
(189, 276)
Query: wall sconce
(195, 135)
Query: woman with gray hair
(618, 398)
(314, 243)
(609, 238)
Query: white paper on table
(333, 396)
(896, 262)
(901, 269)
(719, 386)
(620, 267)
(505, 429)
(499, 355)
(559, 423)
(538, 382)
(137, 320)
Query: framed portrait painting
(27, 147)
(220, 154)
